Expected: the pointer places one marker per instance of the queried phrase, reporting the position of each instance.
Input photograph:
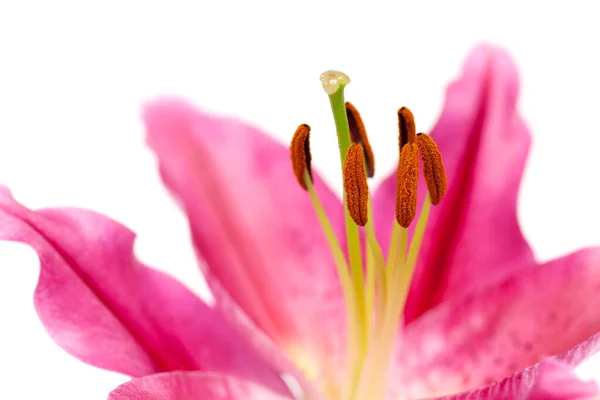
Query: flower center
(374, 292)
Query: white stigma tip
(332, 80)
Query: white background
(74, 75)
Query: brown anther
(358, 134)
(406, 185)
(355, 184)
(300, 154)
(406, 127)
(433, 167)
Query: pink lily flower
(482, 320)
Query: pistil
(334, 83)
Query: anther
(355, 184)
(300, 154)
(358, 134)
(406, 126)
(406, 185)
(433, 167)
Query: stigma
(374, 285)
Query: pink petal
(503, 328)
(192, 386)
(473, 235)
(99, 303)
(548, 380)
(556, 381)
(252, 224)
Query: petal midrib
(448, 227)
(243, 251)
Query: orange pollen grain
(358, 134)
(300, 154)
(406, 185)
(433, 167)
(406, 127)
(355, 184)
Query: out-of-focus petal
(548, 380)
(504, 328)
(557, 381)
(473, 235)
(192, 386)
(253, 226)
(99, 303)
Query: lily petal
(473, 235)
(557, 381)
(548, 380)
(253, 226)
(99, 303)
(504, 328)
(192, 385)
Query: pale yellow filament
(342, 271)
(374, 377)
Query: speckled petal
(503, 328)
(548, 380)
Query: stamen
(355, 184)
(417, 239)
(373, 384)
(358, 134)
(351, 301)
(406, 127)
(406, 186)
(433, 167)
(373, 307)
(300, 154)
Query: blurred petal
(252, 225)
(192, 386)
(548, 380)
(99, 303)
(473, 235)
(504, 328)
(557, 381)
